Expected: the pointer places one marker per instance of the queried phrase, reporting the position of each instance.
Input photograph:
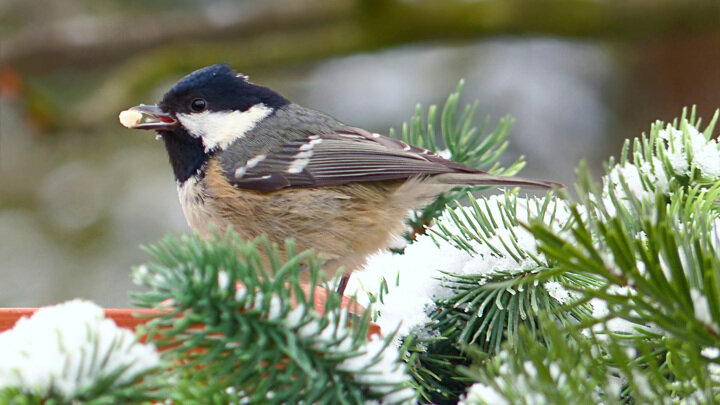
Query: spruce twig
(241, 330)
(463, 143)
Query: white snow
(275, 308)
(701, 306)
(555, 371)
(676, 150)
(689, 148)
(686, 149)
(530, 369)
(375, 362)
(379, 365)
(642, 384)
(309, 329)
(713, 368)
(617, 325)
(67, 348)
(480, 393)
(415, 279)
(632, 174)
(223, 279)
(559, 293)
(295, 316)
(711, 352)
(715, 238)
(240, 292)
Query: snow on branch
(69, 350)
(247, 330)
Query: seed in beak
(130, 118)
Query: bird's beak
(147, 117)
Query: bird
(245, 157)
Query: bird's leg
(342, 284)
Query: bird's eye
(198, 105)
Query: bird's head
(204, 113)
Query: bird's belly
(343, 223)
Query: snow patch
(415, 278)
(67, 348)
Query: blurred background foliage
(79, 193)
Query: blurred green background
(79, 193)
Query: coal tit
(245, 156)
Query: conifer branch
(649, 234)
(241, 330)
(462, 142)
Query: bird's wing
(349, 155)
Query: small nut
(130, 118)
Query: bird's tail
(482, 179)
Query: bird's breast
(193, 197)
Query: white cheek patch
(218, 129)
